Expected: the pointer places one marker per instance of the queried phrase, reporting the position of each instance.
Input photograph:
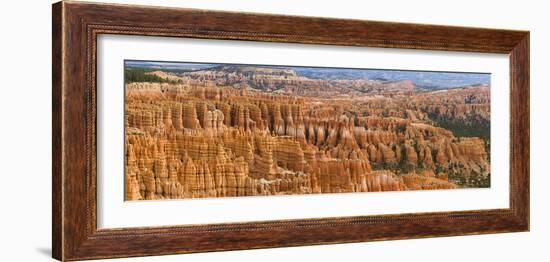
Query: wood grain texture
(75, 29)
(519, 129)
(57, 195)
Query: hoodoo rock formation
(216, 133)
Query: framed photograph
(181, 130)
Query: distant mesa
(288, 81)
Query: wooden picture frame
(76, 26)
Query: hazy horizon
(420, 78)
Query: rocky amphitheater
(202, 137)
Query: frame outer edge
(520, 83)
(71, 239)
(527, 185)
(57, 130)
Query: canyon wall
(205, 137)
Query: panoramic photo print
(208, 130)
